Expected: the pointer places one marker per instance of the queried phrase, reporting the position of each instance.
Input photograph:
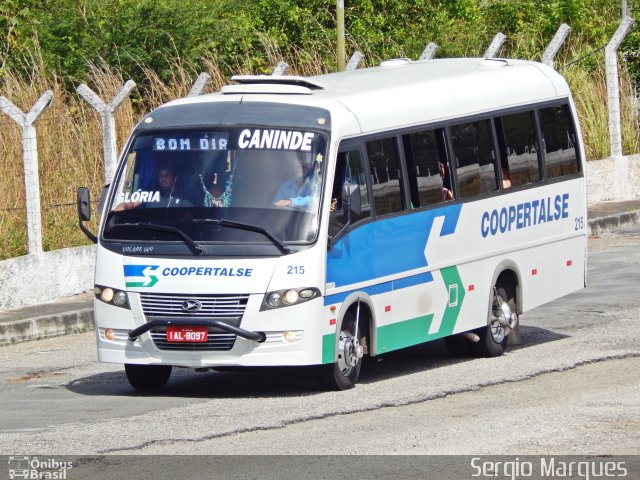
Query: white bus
(290, 221)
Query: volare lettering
(524, 215)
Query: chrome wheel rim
(348, 357)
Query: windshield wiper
(245, 226)
(195, 248)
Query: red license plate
(187, 334)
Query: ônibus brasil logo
(140, 275)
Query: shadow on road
(289, 381)
(432, 355)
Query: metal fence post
(106, 111)
(555, 44)
(199, 84)
(281, 68)
(354, 61)
(429, 52)
(495, 46)
(613, 86)
(30, 158)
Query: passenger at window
(506, 177)
(165, 195)
(447, 191)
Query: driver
(298, 190)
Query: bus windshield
(220, 186)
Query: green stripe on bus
(328, 348)
(412, 332)
(404, 334)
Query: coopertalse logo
(146, 276)
(140, 275)
(40, 468)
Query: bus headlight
(274, 299)
(111, 296)
(288, 297)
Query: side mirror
(351, 207)
(84, 212)
(351, 200)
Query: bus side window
(518, 145)
(429, 180)
(475, 158)
(349, 169)
(559, 141)
(388, 195)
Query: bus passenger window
(559, 140)
(388, 195)
(518, 145)
(429, 179)
(349, 169)
(475, 158)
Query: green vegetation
(164, 44)
(134, 35)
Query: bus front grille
(215, 342)
(182, 305)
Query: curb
(46, 326)
(601, 225)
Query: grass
(69, 132)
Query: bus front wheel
(502, 317)
(147, 377)
(344, 372)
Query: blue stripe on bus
(406, 282)
(388, 246)
(412, 280)
(372, 290)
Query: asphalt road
(571, 387)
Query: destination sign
(191, 142)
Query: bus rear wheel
(344, 372)
(502, 319)
(147, 377)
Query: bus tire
(493, 337)
(147, 377)
(344, 372)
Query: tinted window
(475, 158)
(560, 141)
(520, 150)
(349, 170)
(385, 176)
(429, 181)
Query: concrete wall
(614, 179)
(44, 277)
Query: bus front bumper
(259, 337)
